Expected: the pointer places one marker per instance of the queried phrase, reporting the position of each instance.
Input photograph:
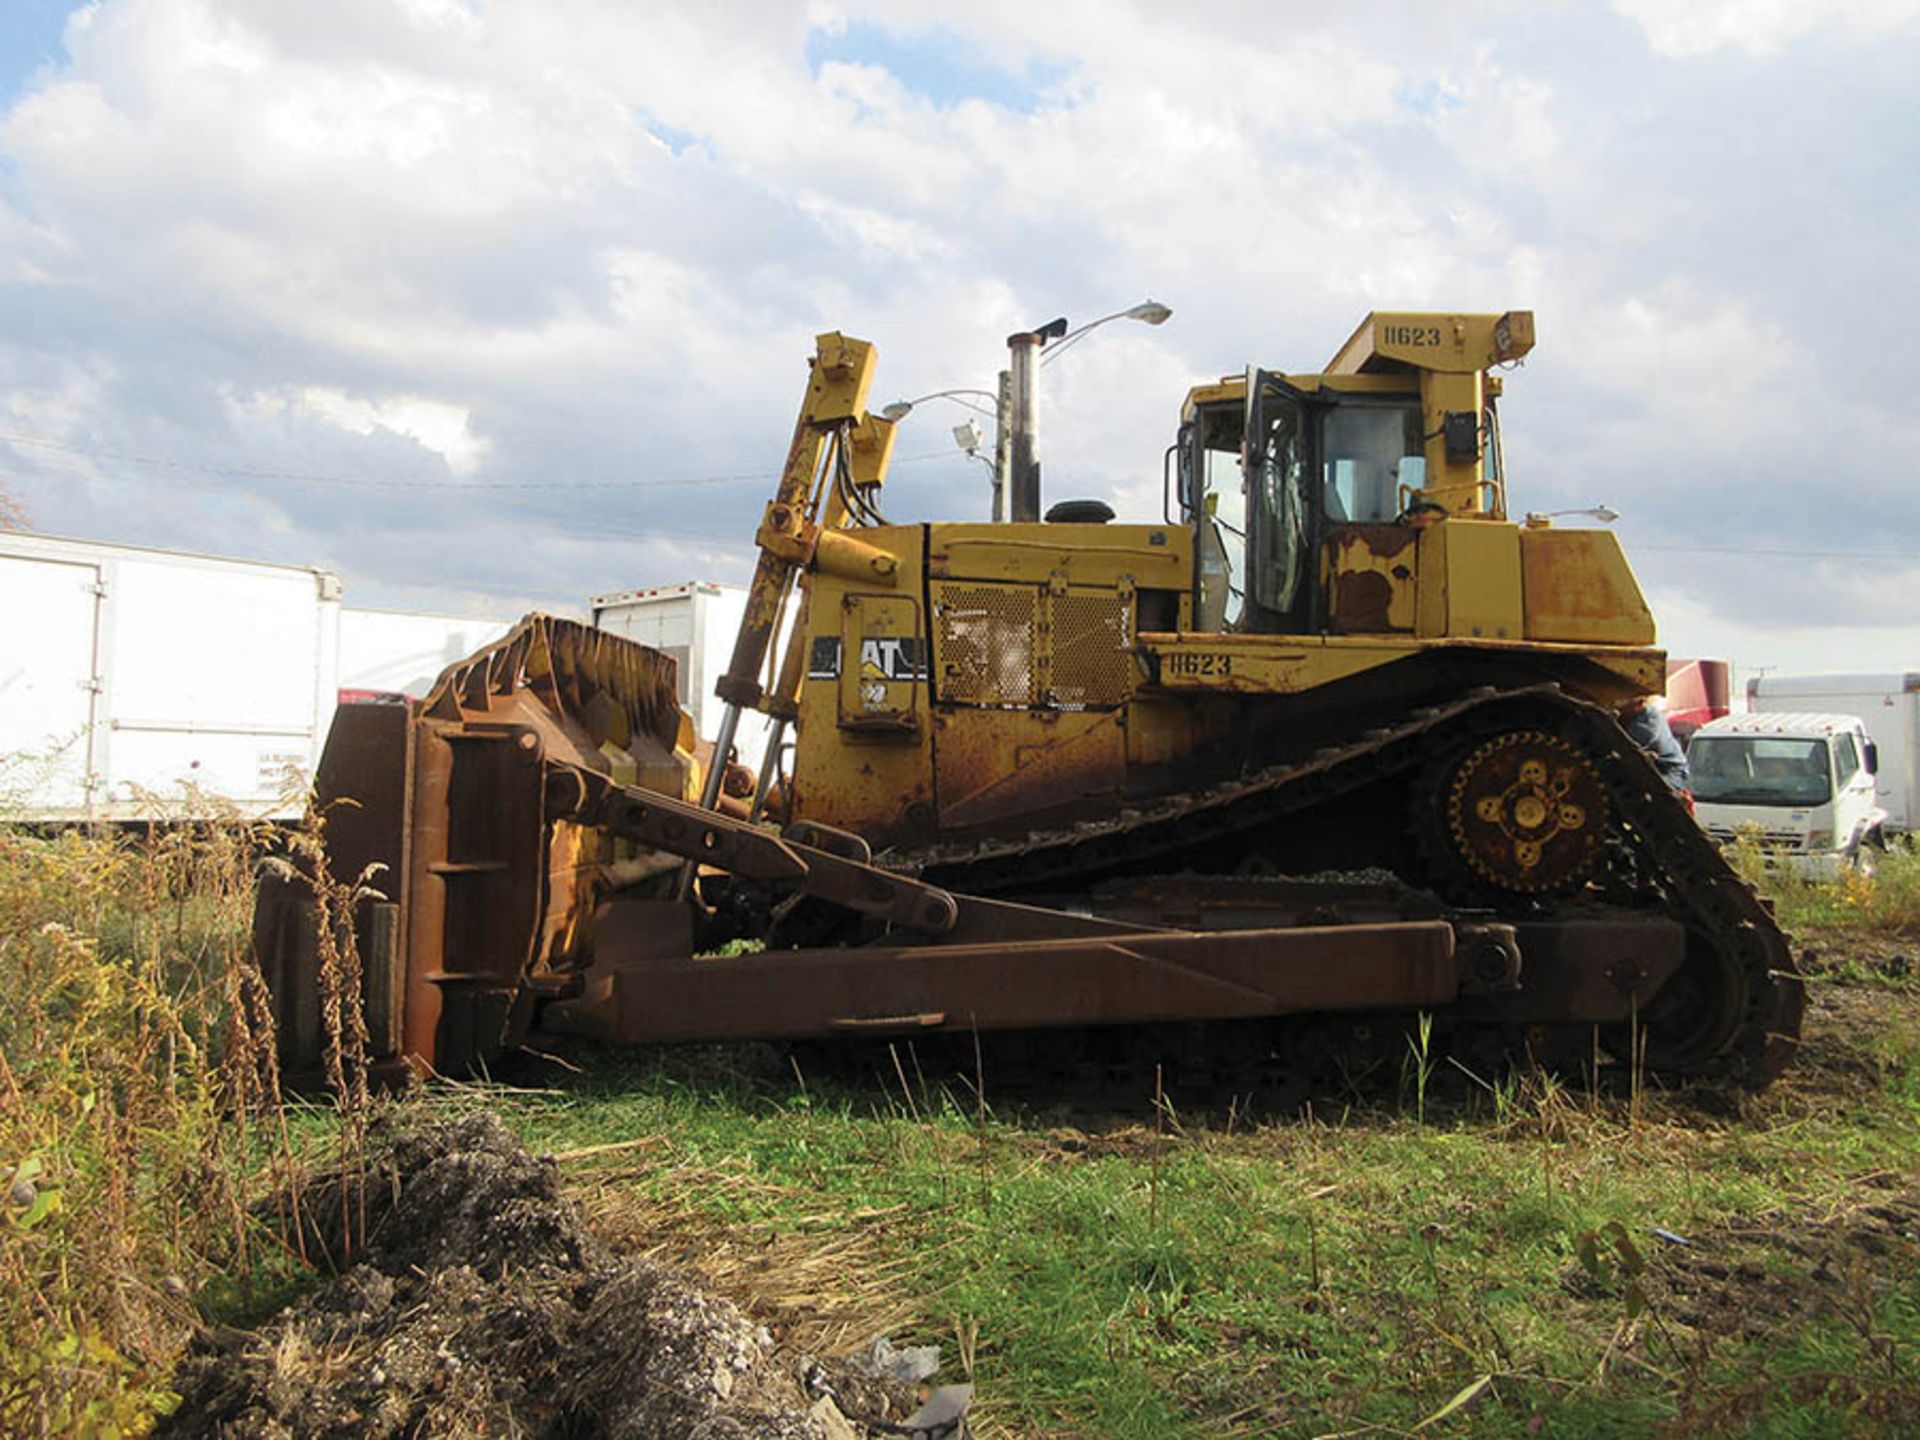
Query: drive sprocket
(1527, 812)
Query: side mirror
(1873, 758)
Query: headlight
(1819, 839)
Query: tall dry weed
(1880, 897)
(346, 1048)
(136, 1076)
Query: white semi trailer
(140, 684)
(1888, 704)
(696, 623)
(132, 680)
(402, 652)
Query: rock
(833, 1425)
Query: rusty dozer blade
(521, 828)
(479, 900)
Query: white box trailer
(1888, 704)
(402, 652)
(132, 678)
(139, 684)
(696, 623)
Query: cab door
(1277, 457)
(1855, 813)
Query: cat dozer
(1230, 795)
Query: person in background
(1645, 721)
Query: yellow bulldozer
(1331, 743)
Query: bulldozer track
(1733, 1012)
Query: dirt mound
(478, 1305)
(1749, 1276)
(1892, 958)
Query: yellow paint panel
(1479, 580)
(1226, 665)
(1160, 729)
(878, 782)
(1152, 556)
(842, 376)
(1169, 734)
(1435, 341)
(1579, 588)
(883, 668)
(1266, 664)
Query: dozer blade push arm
(741, 848)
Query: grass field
(1498, 1257)
(1357, 1273)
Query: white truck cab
(1804, 781)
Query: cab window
(1283, 524)
(1222, 520)
(1371, 452)
(1846, 759)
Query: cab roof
(1789, 724)
(1391, 349)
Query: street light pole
(1147, 312)
(1002, 446)
(1024, 483)
(1023, 487)
(1016, 441)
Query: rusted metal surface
(1590, 969)
(1734, 1005)
(366, 760)
(1528, 812)
(655, 992)
(1018, 767)
(497, 802)
(441, 806)
(493, 896)
(740, 848)
(474, 886)
(1373, 575)
(1580, 589)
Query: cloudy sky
(495, 303)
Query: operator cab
(1281, 487)
(1307, 493)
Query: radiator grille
(1027, 645)
(1092, 663)
(986, 644)
(1768, 839)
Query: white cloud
(432, 424)
(1759, 27)
(590, 242)
(877, 233)
(1684, 356)
(461, 15)
(1885, 594)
